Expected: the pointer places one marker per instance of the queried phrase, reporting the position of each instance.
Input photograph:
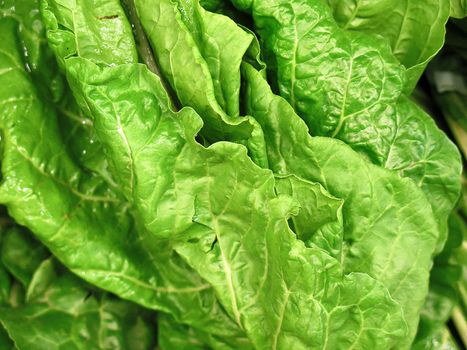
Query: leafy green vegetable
(348, 85)
(194, 226)
(83, 221)
(60, 311)
(369, 229)
(458, 8)
(218, 248)
(187, 41)
(415, 30)
(143, 144)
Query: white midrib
(340, 124)
(228, 275)
(294, 64)
(281, 319)
(128, 149)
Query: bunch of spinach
(162, 151)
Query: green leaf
(80, 219)
(39, 61)
(61, 311)
(415, 30)
(189, 41)
(181, 195)
(377, 211)
(172, 335)
(180, 59)
(222, 44)
(68, 30)
(349, 86)
(319, 221)
(67, 315)
(21, 254)
(458, 8)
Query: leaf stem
(146, 52)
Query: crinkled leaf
(222, 215)
(68, 316)
(110, 41)
(79, 217)
(377, 211)
(319, 220)
(40, 61)
(175, 48)
(349, 86)
(21, 255)
(222, 44)
(415, 29)
(189, 41)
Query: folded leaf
(349, 86)
(80, 219)
(223, 217)
(415, 30)
(377, 212)
(319, 220)
(175, 47)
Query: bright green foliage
(458, 8)
(143, 144)
(83, 221)
(58, 311)
(415, 29)
(369, 229)
(174, 38)
(360, 100)
(188, 41)
(319, 221)
(220, 248)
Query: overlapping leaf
(56, 310)
(176, 196)
(349, 86)
(377, 211)
(224, 218)
(415, 30)
(130, 201)
(188, 41)
(79, 217)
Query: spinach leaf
(79, 217)
(392, 220)
(61, 311)
(415, 30)
(349, 86)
